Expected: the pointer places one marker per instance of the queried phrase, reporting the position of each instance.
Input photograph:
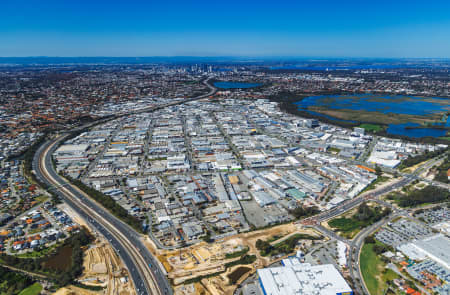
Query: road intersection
(145, 270)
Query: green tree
(378, 170)
(369, 240)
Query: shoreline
(287, 104)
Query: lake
(408, 105)
(235, 85)
(400, 129)
(388, 106)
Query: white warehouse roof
(302, 278)
(435, 247)
(72, 148)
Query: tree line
(411, 161)
(429, 194)
(109, 203)
(13, 282)
(442, 171)
(38, 265)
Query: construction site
(215, 268)
(203, 268)
(104, 269)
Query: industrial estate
(225, 177)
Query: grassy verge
(245, 259)
(199, 278)
(348, 227)
(371, 127)
(285, 247)
(380, 179)
(88, 287)
(374, 271)
(274, 238)
(237, 253)
(370, 268)
(364, 216)
(40, 253)
(41, 198)
(34, 289)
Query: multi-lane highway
(145, 271)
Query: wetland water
(417, 108)
(235, 85)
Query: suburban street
(147, 273)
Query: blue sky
(315, 28)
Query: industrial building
(295, 278)
(435, 247)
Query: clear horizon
(267, 57)
(259, 29)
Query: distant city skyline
(397, 29)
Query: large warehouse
(435, 247)
(72, 149)
(302, 278)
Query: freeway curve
(148, 278)
(144, 269)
